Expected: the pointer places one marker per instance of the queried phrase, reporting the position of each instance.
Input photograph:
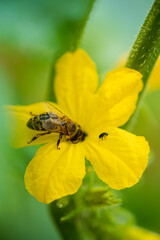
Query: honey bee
(55, 121)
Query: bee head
(30, 124)
(79, 133)
(78, 136)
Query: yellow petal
(18, 117)
(119, 159)
(116, 99)
(154, 80)
(76, 78)
(55, 173)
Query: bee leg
(59, 139)
(37, 136)
(33, 114)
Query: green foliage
(91, 214)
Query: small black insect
(103, 134)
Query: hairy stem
(145, 51)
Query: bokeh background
(30, 34)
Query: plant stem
(145, 52)
(68, 228)
(69, 37)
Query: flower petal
(76, 78)
(119, 159)
(55, 173)
(116, 99)
(19, 116)
(154, 82)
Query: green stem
(145, 51)
(69, 37)
(68, 229)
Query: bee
(55, 121)
(102, 135)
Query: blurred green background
(30, 34)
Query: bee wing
(53, 109)
(54, 124)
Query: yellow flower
(119, 159)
